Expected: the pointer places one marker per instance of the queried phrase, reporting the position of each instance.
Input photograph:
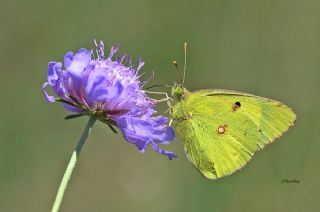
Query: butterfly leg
(166, 99)
(169, 103)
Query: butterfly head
(179, 91)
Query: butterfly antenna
(175, 63)
(185, 63)
(157, 85)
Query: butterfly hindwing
(222, 129)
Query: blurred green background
(270, 48)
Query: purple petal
(101, 49)
(140, 143)
(56, 78)
(170, 155)
(159, 120)
(72, 108)
(99, 88)
(164, 135)
(141, 63)
(53, 74)
(46, 95)
(76, 63)
(141, 132)
(113, 50)
(68, 59)
(122, 58)
(129, 60)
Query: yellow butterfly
(222, 129)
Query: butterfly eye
(238, 104)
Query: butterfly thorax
(180, 95)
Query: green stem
(72, 164)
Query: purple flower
(110, 90)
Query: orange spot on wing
(222, 129)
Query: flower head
(110, 90)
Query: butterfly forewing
(222, 129)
